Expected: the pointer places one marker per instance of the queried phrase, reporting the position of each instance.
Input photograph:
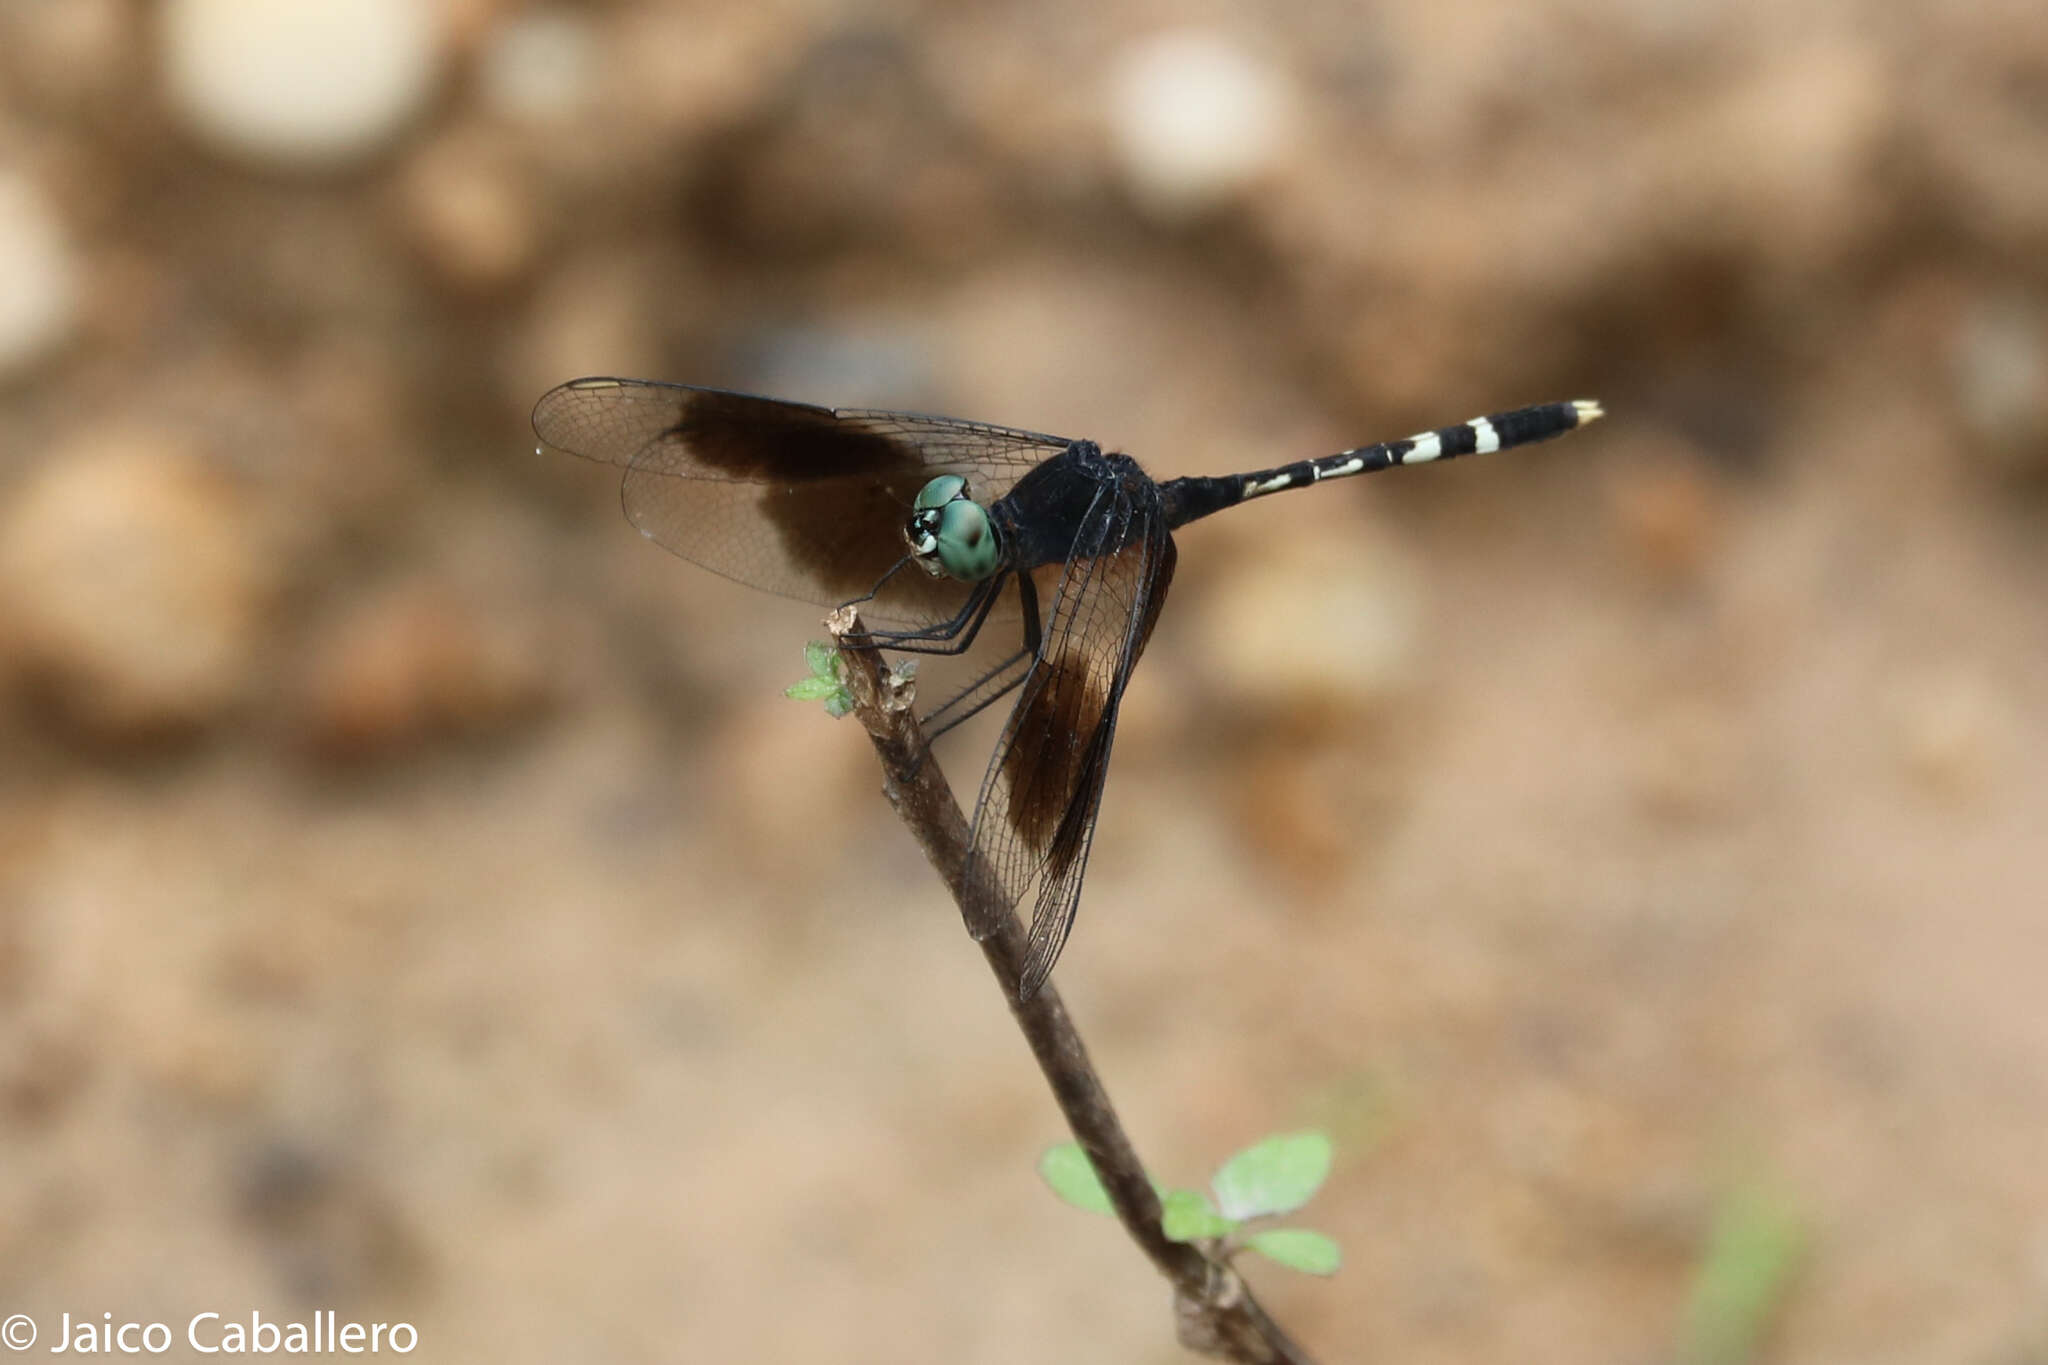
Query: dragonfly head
(950, 534)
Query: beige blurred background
(417, 899)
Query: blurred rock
(1665, 507)
(672, 70)
(1309, 811)
(467, 24)
(1952, 725)
(864, 355)
(333, 1231)
(539, 67)
(39, 293)
(77, 50)
(42, 1071)
(346, 475)
(471, 211)
(1975, 91)
(590, 316)
(132, 584)
(305, 84)
(2001, 376)
(1196, 120)
(205, 1057)
(1689, 760)
(419, 663)
(858, 144)
(1789, 165)
(1313, 623)
(126, 298)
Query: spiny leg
(880, 583)
(1034, 635)
(955, 636)
(944, 630)
(939, 722)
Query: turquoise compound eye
(939, 492)
(967, 543)
(950, 533)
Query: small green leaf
(1072, 1176)
(1185, 1216)
(811, 689)
(1298, 1249)
(823, 658)
(1277, 1175)
(826, 682)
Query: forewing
(1035, 820)
(786, 497)
(998, 455)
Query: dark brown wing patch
(787, 497)
(765, 440)
(836, 494)
(1035, 821)
(1062, 702)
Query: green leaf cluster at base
(1276, 1175)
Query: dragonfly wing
(787, 497)
(1035, 819)
(996, 456)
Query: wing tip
(1036, 974)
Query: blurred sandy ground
(417, 900)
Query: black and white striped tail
(1187, 499)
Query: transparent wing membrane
(790, 498)
(1035, 818)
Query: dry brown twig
(1214, 1311)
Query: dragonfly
(937, 526)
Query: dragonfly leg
(939, 721)
(934, 731)
(1033, 634)
(880, 638)
(1034, 631)
(880, 583)
(948, 637)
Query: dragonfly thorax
(950, 534)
